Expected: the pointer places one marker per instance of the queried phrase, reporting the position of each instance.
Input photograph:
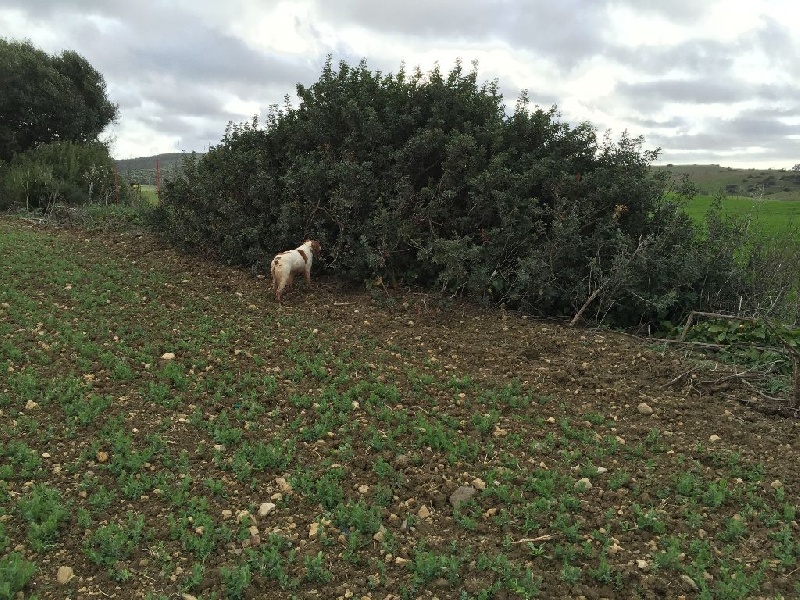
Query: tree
(44, 98)
(796, 167)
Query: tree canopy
(48, 98)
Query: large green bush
(60, 172)
(425, 179)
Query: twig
(712, 346)
(762, 394)
(614, 278)
(542, 538)
(678, 378)
(740, 376)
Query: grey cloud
(658, 93)
(670, 123)
(677, 11)
(747, 130)
(763, 126)
(701, 58)
(564, 32)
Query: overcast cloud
(707, 82)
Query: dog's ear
(315, 247)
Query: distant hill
(775, 184)
(143, 169)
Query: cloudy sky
(707, 81)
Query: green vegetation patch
(167, 429)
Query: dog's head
(315, 247)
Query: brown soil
(383, 337)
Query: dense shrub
(425, 179)
(69, 173)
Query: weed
(273, 558)
(670, 555)
(648, 520)
(358, 517)
(316, 572)
(15, 573)
(570, 574)
(427, 566)
(116, 542)
(43, 510)
(215, 486)
(19, 462)
(235, 580)
(716, 494)
(735, 528)
(687, 484)
(195, 577)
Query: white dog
(290, 263)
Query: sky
(706, 81)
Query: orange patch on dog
(303, 254)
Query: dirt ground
(698, 409)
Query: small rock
(614, 548)
(490, 512)
(363, 489)
(642, 564)
(479, 484)
(423, 512)
(313, 530)
(776, 484)
(253, 530)
(462, 494)
(380, 534)
(168, 356)
(266, 508)
(583, 484)
(644, 409)
(714, 438)
(689, 584)
(186, 596)
(64, 575)
(601, 470)
(400, 561)
(283, 485)
(30, 405)
(102, 456)
(227, 514)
